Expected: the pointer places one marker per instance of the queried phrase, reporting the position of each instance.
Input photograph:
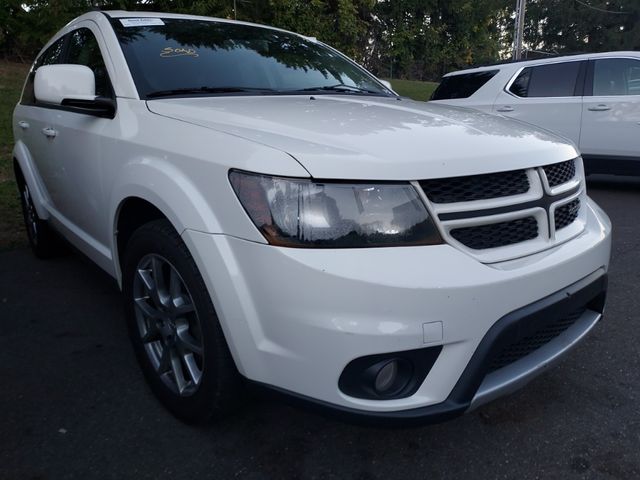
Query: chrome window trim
(513, 78)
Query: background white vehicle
(274, 213)
(593, 100)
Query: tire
(174, 328)
(44, 242)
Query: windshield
(176, 57)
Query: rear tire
(44, 242)
(174, 328)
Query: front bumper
(477, 385)
(295, 318)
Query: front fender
(166, 187)
(163, 185)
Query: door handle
(49, 132)
(600, 108)
(506, 108)
(23, 125)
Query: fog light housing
(388, 376)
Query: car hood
(374, 138)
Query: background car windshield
(193, 54)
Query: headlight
(303, 213)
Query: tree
(560, 26)
(425, 38)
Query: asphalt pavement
(73, 403)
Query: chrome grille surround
(457, 220)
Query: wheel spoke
(160, 293)
(147, 310)
(176, 366)
(147, 279)
(182, 310)
(192, 368)
(186, 341)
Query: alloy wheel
(168, 324)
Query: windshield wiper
(340, 87)
(201, 90)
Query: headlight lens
(303, 213)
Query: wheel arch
(25, 171)
(148, 191)
(132, 213)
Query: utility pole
(235, 12)
(519, 29)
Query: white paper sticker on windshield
(141, 22)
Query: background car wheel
(44, 242)
(174, 328)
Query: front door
(80, 142)
(611, 113)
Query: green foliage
(424, 39)
(414, 89)
(560, 26)
(343, 24)
(11, 228)
(407, 39)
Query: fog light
(386, 377)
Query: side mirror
(72, 86)
(54, 83)
(387, 84)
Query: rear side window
(616, 76)
(554, 80)
(51, 56)
(462, 86)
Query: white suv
(277, 217)
(593, 100)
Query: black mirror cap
(104, 107)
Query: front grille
(566, 214)
(523, 347)
(459, 203)
(560, 173)
(476, 187)
(497, 234)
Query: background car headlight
(304, 213)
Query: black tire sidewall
(207, 401)
(47, 244)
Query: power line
(601, 9)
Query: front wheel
(174, 327)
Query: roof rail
(537, 55)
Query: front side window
(616, 76)
(83, 49)
(51, 56)
(198, 57)
(553, 80)
(462, 86)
